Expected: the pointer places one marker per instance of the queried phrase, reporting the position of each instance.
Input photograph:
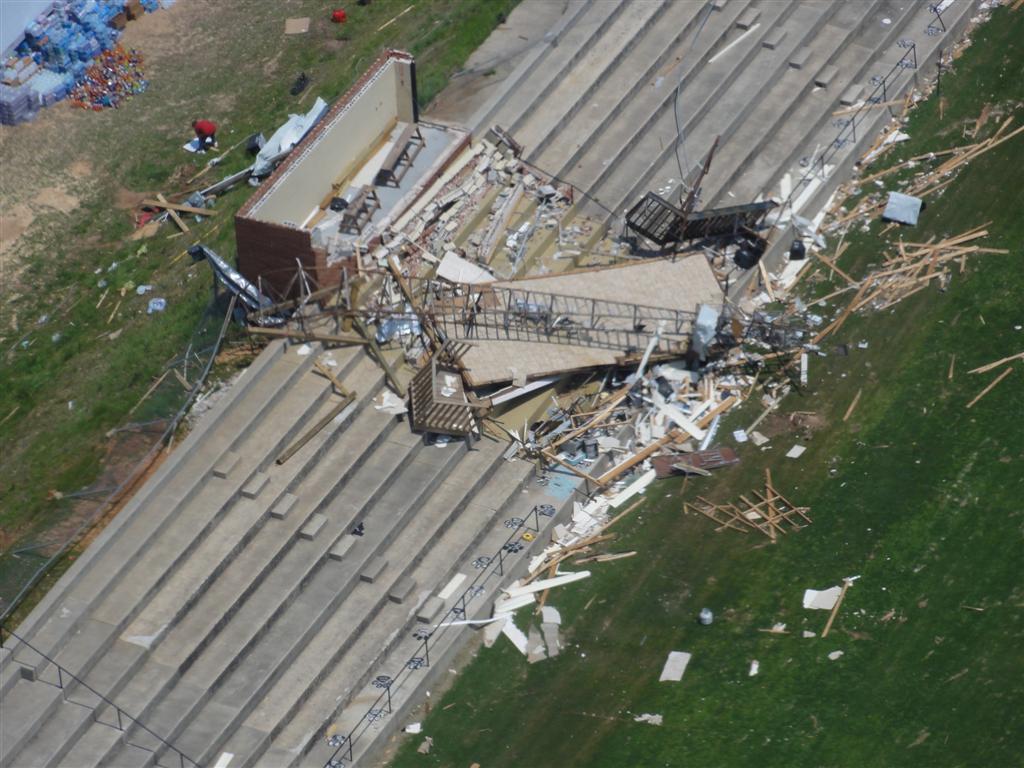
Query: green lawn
(918, 495)
(61, 397)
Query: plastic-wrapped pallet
(17, 104)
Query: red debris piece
(339, 16)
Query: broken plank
(288, 333)
(991, 386)
(997, 363)
(174, 215)
(849, 411)
(161, 203)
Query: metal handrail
(879, 95)
(63, 672)
(420, 659)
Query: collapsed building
(313, 554)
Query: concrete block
(774, 38)
(283, 506)
(401, 591)
(826, 76)
(799, 58)
(851, 95)
(373, 569)
(341, 547)
(429, 610)
(227, 464)
(748, 18)
(313, 526)
(256, 484)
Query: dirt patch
(126, 200)
(271, 66)
(80, 169)
(120, 465)
(13, 224)
(56, 197)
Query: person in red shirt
(206, 132)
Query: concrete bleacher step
(243, 517)
(574, 89)
(402, 590)
(217, 552)
(736, 114)
(483, 118)
(857, 25)
(283, 506)
(743, 137)
(714, 86)
(351, 686)
(702, 76)
(775, 119)
(232, 602)
(373, 569)
(342, 546)
(625, 94)
(476, 474)
(228, 463)
(142, 521)
(313, 526)
(95, 642)
(619, 84)
(572, 45)
(273, 651)
(293, 573)
(254, 485)
(293, 710)
(881, 53)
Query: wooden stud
(991, 386)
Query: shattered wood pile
(931, 179)
(769, 513)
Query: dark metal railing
(65, 679)
(523, 530)
(847, 134)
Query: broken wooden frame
(772, 514)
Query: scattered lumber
(771, 514)
(997, 363)
(162, 203)
(990, 387)
(296, 333)
(849, 411)
(173, 214)
(835, 608)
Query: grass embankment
(226, 61)
(917, 494)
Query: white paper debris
(796, 452)
(754, 667)
(304, 350)
(413, 728)
(675, 666)
(649, 718)
(835, 655)
(822, 600)
(740, 436)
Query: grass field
(917, 494)
(73, 178)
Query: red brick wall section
(269, 251)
